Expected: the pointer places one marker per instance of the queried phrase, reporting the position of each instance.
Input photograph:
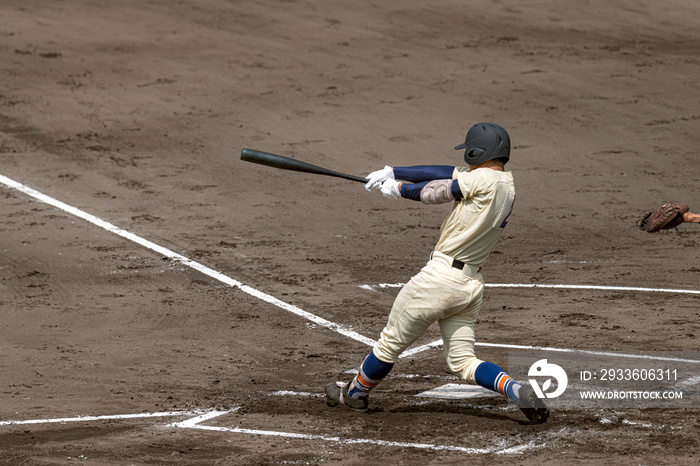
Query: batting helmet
(485, 141)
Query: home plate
(459, 391)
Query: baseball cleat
(337, 393)
(532, 406)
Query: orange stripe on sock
(502, 384)
(364, 382)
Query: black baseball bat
(287, 163)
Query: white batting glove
(377, 177)
(391, 189)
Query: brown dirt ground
(136, 112)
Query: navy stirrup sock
(371, 373)
(491, 376)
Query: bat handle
(357, 178)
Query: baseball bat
(287, 163)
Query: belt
(466, 269)
(458, 264)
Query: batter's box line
(555, 286)
(196, 423)
(650, 357)
(439, 343)
(203, 416)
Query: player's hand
(377, 177)
(391, 189)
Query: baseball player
(449, 288)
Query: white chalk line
(98, 418)
(204, 417)
(557, 286)
(689, 382)
(293, 393)
(184, 260)
(439, 342)
(195, 423)
(411, 376)
(592, 287)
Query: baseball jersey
(476, 222)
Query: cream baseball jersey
(476, 222)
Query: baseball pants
(442, 293)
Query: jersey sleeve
(467, 180)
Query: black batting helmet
(485, 141)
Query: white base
(459, 391)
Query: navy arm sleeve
(419, 173)
(412, 190)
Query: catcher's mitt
(668, 216)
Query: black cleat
(337, 393)
(532, 406)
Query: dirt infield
(136, 112)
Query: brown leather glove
(668, 216)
